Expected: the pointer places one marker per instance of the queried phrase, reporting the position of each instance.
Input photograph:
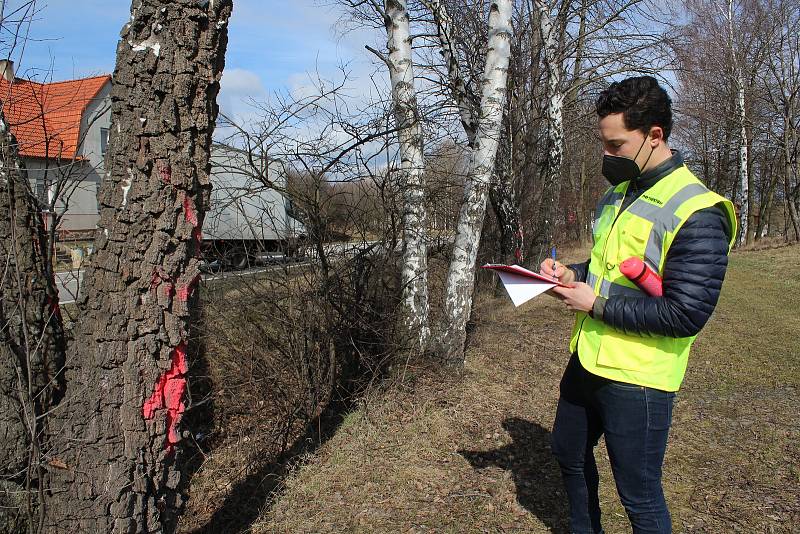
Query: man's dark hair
(642, 102)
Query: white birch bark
(466, 105)
(741, 116)
(461, 274)
(502, 188)
(414, 276)
(551, 188)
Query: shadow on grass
(533, 469)
(256, 493)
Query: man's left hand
(577, 297)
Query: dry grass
(471, 453)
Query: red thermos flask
(642, 275)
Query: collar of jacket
(652, 176)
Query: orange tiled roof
(46, 117)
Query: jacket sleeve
(694, 270)
(581, 270)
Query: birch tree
(461, 273)
(554, 109)
(502, 192)
(726, 59)
(414, 272)
(737, 77)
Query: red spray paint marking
(55, 308)
(184, 292)
(168, 393)
(197, 237)
(189, 211)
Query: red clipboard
(521, 271)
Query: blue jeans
(635, 421)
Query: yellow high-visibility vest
(645, 229)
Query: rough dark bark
(31, 334)
(505, 203)
(119, 441)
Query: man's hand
(557, 269)
(577, 297)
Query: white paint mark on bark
(151, 43)
(126, 186)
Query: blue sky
(272, 44)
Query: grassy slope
(471, 454)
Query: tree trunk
(119, 441)
(551, 184)
(501, 191)
(461, 273)
(414, 274)
(32, 342)
(504, 202)
(767, 203)
(791, 204)
(464, 98)
(741, 118)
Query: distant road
(68, 282)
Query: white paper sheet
(521, 289)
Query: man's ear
(656, 136)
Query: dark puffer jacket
(694, 270)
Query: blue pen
(553, 253)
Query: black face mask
(618, 169)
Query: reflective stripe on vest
(644, 229)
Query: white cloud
(241, 82)
(238, 89)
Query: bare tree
(722, 59)
(462, 84)
(461, 273)
(554, 109)
(414, 273)
(781, 89)
(737, 77)
(32, 340)
(112, 456)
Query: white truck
(248, 223)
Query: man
(630, 350)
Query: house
(62, 133)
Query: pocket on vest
(633, 243)
(632, 353)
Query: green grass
(751, 339)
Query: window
(103, 140)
